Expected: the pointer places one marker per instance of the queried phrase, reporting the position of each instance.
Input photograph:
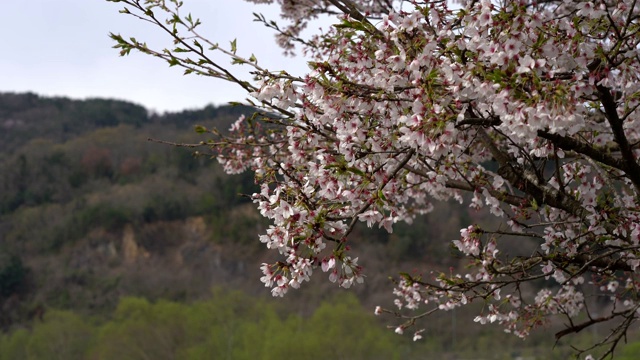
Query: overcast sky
(62, 48)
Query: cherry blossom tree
(526, 108)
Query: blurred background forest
(115, 247)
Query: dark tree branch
(579, 327)
(571, 144)
(631, 167)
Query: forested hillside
(96, 220)
(91, 210)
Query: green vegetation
(229, 326)
(75, 175)
(233, 325)
(12, 275)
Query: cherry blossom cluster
(530, 108)
(411, 110)
(414, 107)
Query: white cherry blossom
(530, 108)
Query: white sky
(62, 48)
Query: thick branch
(478, 122)
(565, 143)
(471, 187)
(571, 144)
(504, 197)
(579, 327)
(631, 168)
(600, 262)
(527, 182)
